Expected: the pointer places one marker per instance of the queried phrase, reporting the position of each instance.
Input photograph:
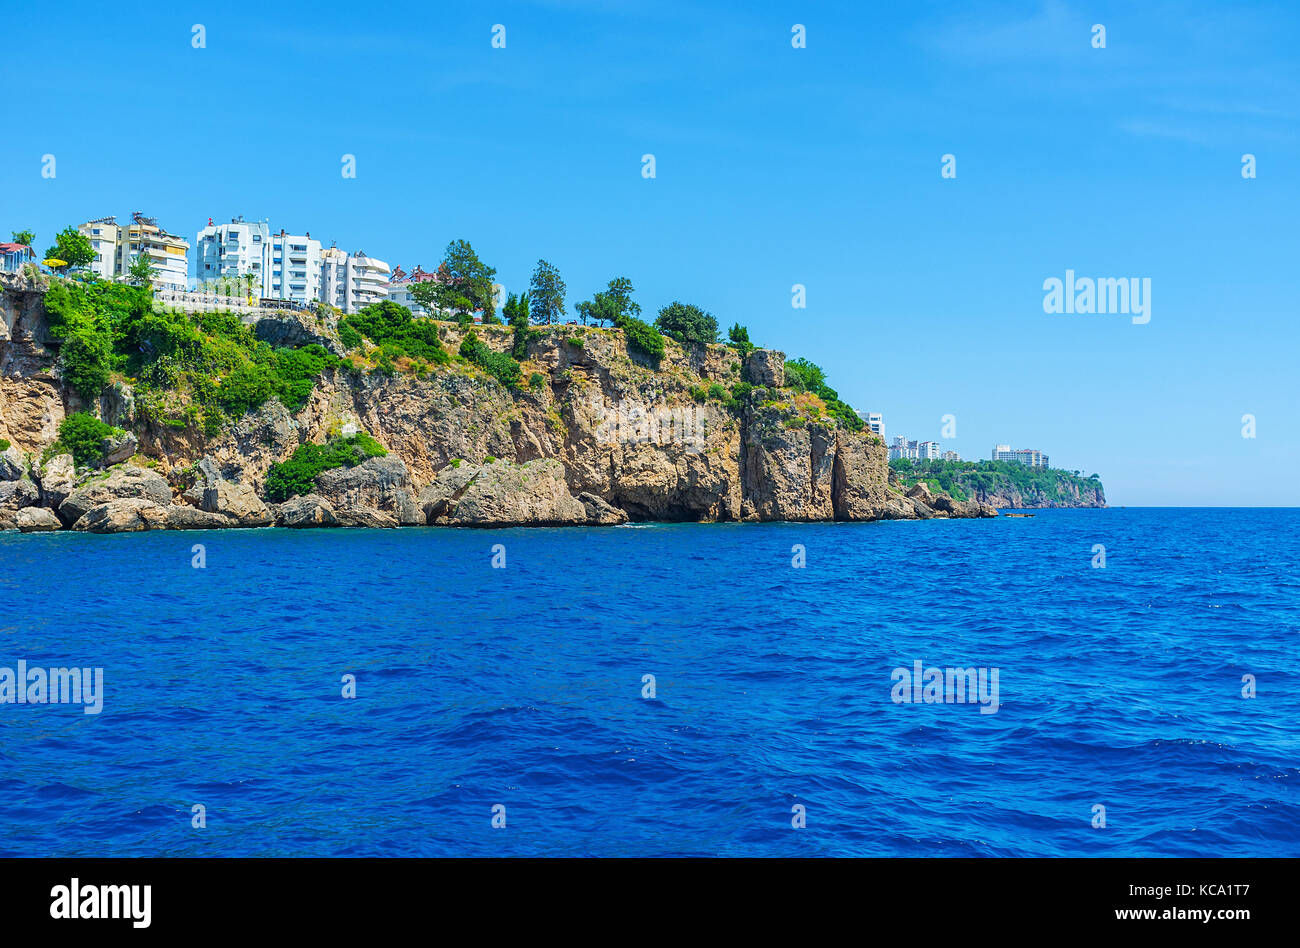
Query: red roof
(14, 248)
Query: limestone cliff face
(601, 435)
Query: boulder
(127, 515)
(181, 517)
(15, 495)
(921, 491)
(600, 512)
(37, 520)
(766, 367)
(364, 517)
(121, 483)
(309, 511)
(379, 484)
(117, 448)
(502, 494)
(12, 464)
(213, 493)
(57, 479)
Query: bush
(82, 436)
(297, 475)
(536, 381)
(350, 338)
(387, 322)
(803, 376)
(575, 342)
(4, 444)
(644, 338)
(505, 369)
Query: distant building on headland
(118, 246)
(875, 421)
(950, 456)
(1029, 457)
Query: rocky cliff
(598, 434)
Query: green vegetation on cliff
(82, 436)
(203, 369)
(297, 475)
(966, 480)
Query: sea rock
(125, 515)
(57, 478)
(859, 488)
(921, 491)
(789, 471)
(364, 517)
(181, 517)
(504, 494)
(377, 484)
(213, 493)
(37, 520)
(600, 512)
(309, 511)
(16, 495)
(126, 482)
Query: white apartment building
(352, 281)
(229, 251)
(951, 456)
(293, 268)
(928, 451)
(117, 246)
(1029, 457)
(875, 421)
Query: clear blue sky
(776, 166)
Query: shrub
(575, 342)
(644, 338)
(4, 444)
(297, 475)
(717, 391)
(82, 436)
(387, 322)
(505, 369)
(350, 338)
(536, 381)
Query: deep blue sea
(522, 687)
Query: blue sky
(775, 166)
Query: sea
(661, 689)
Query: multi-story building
(928, 451)
(292, 268)
(951, 456)
(352, 281)
(875, 421)
(233, 251)
(401, 287)
(902, 448)
(1026, 456)
(117, 246)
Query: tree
(73, 248)
(463, 284)
(739, 339)
(141, 271)
(516, 313)
(613, 304)
(546, 294)
(687, 323)
(24, 237)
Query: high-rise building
(352, 281)
(928, 450)
(233, 251)
(294, 268)
(118, 246)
